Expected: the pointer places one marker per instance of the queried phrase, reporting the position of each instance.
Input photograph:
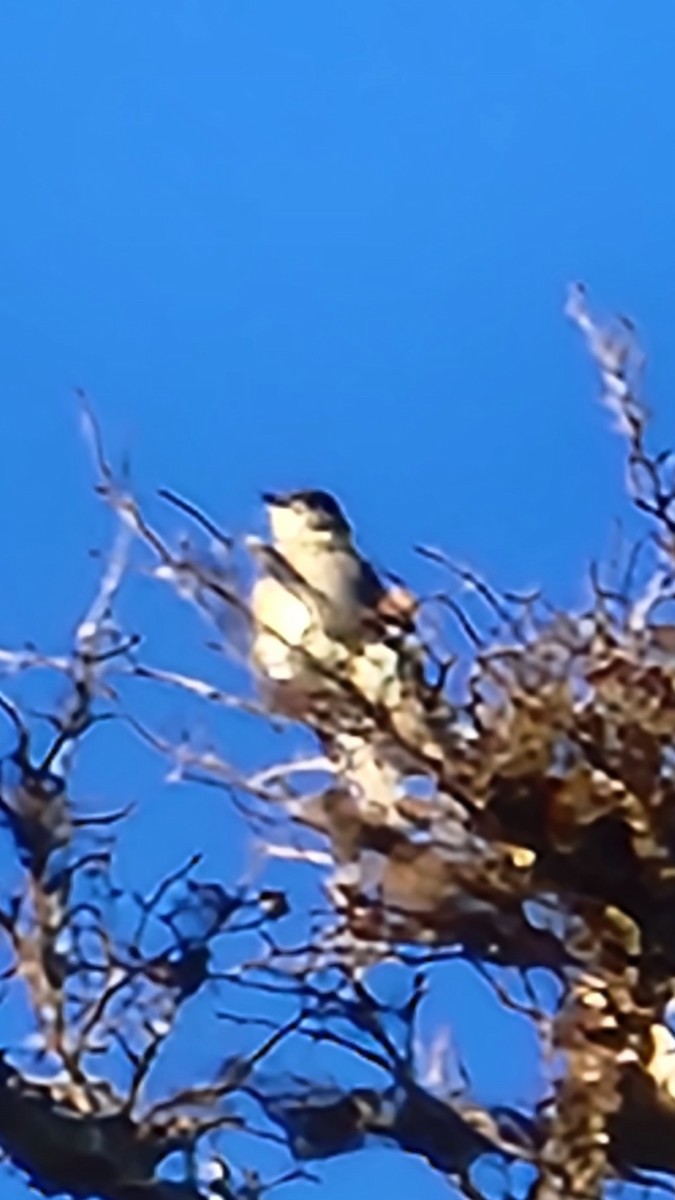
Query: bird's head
(305, 516)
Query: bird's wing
(373, 587)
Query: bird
(316, 592)
(336, 648)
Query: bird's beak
(274, 499)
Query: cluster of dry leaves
(511, 803)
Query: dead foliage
(491, 779)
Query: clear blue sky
(291, 242)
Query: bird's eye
(319, 507)
(323, 502)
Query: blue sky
(292, 242)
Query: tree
(491, 781)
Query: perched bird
(316, 592)
(337, 648)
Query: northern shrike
(316, 592)
(322, 617)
